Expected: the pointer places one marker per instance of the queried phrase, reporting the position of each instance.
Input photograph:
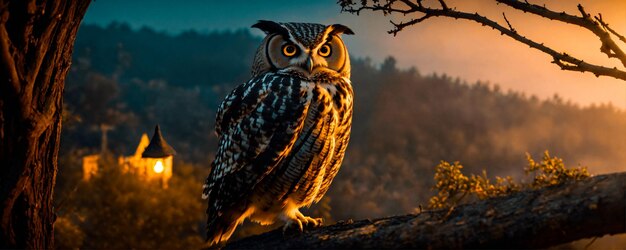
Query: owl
(283, 133)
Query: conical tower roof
(158, 147)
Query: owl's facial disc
(314, 51)
(290, 56)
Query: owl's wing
(241, 101)
(258, 124)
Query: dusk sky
(458, 48)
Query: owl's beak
(309, 64)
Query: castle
(151, 161)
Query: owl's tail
(220, 228)
(220, 232)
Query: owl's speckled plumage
(283, 133)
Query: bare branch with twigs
(565, 61)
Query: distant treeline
(405, 122)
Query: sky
(457, 48)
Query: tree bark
(528, 219)
(36, 41)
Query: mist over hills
(404, 122)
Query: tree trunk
(36, 41)
(528, 219)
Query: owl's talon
(309, 221)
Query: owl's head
(313, 51)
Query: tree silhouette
(36, 41)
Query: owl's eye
(289, 50)
(324, 50)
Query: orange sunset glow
(467, 50)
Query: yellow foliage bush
(551, 171)
(453, 186)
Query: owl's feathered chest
(307, 169)
(332, 97)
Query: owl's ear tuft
(339, 29)
(271, 27)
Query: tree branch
(565, 61)
(5, 52)
(528, 219)
(508, 23)
(606, 27)
(608, 45)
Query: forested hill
(405, 122)
(185, 60)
